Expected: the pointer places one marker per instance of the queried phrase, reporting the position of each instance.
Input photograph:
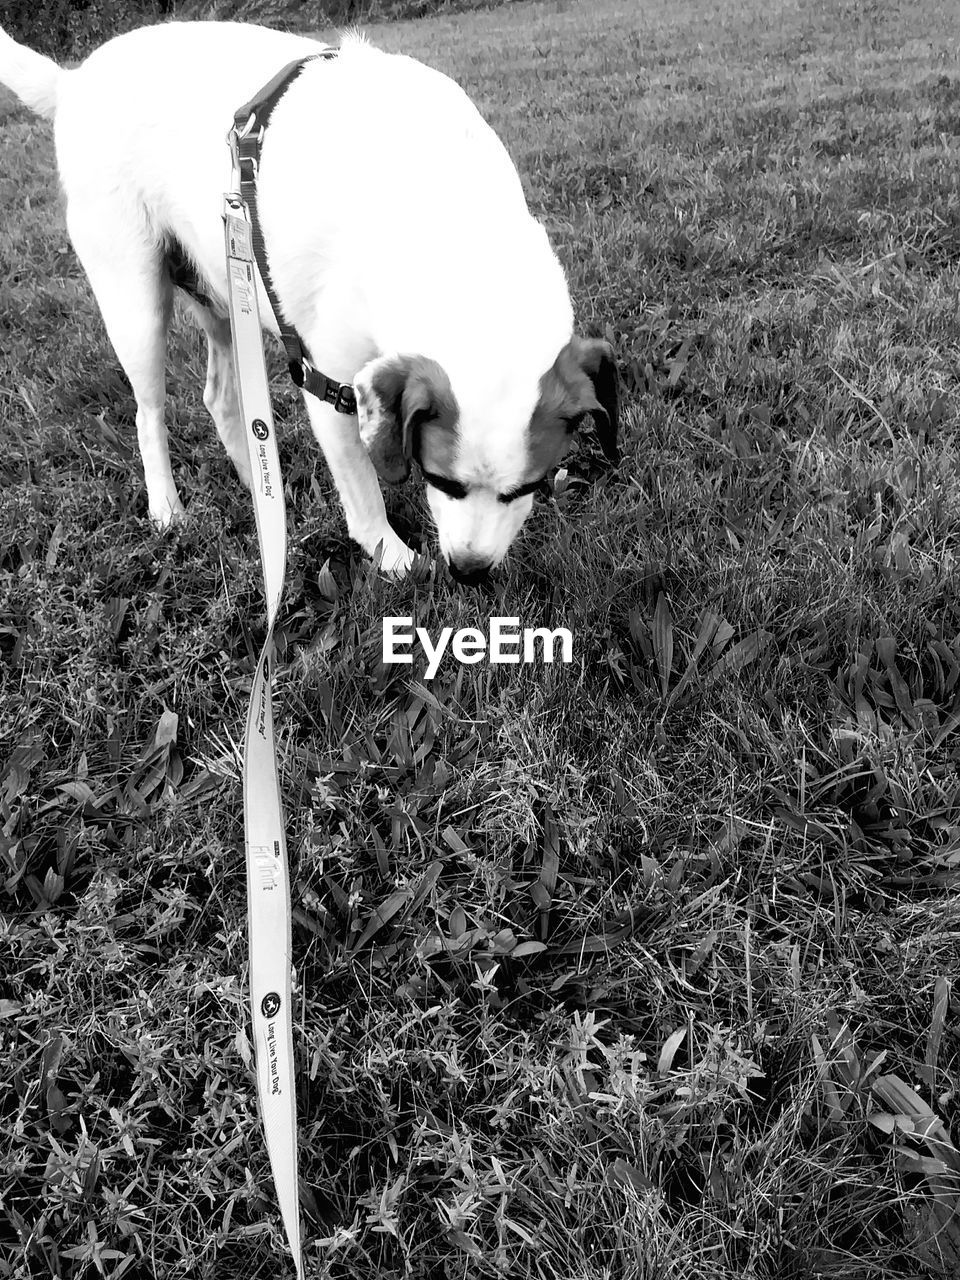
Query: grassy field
(665, 986)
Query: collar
(245, 138)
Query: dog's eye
(452, 488)
(531, 487)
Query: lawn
(665, 982)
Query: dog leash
(268, 878)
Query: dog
(401, 249)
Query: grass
(669, 990)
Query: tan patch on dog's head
(405, 406)
(583, 379)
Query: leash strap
(268, 880)
(268, 877)
(249, 124)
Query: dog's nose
(470, 571)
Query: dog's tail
(31, 76)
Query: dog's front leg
(356, 480)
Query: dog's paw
(394, 557)
(167, 513)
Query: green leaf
(166, 733)
(16, 775)
(382, 915)
(743, 652)
(708, 626)
(530, 948)
(77, 790)
(663, 641)
(904, 1101)
(594, 942)
(669, 1050)
(628, 1175)
(941, 998)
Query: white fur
(394, 221)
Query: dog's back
(147, 113)
(182, 67)
(150, 110)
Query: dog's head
(485, 447)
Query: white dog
(400, 246)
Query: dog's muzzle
(470, 572)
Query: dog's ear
(598, 362)
(583, 379)
(396, 396)
(596, 359)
